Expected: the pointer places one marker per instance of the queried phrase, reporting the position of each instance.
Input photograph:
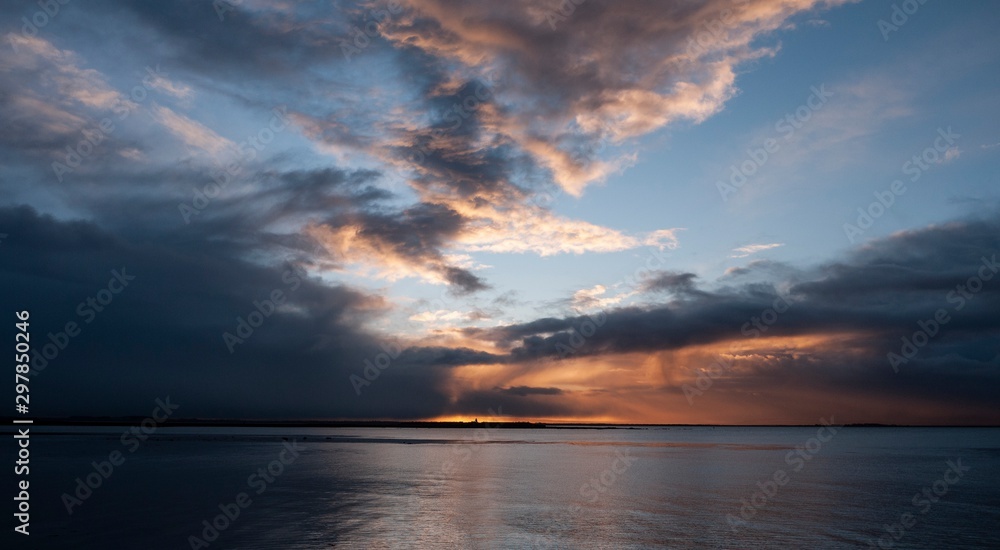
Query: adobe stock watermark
(93, 137)
(464, 452)
(713, 31)
(222, 7)
(786, 126)
(373, 367)
(898, 17)
(941, 150)
(578, 335)
(229, 512)
(769, 488)
(38, 20)
(246, 151)
(456, 115)
(931, 327)
(922, 504)
(753, 328)
(391, 350)
(87, 310)
(361, 37)
(590, 491)
(262, 310)
(562, 12)
(131, 439)
(580, 156)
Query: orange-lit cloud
(756, 388)
(578, 65)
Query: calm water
(430, 488)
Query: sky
(744, 212)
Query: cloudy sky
(754, 211)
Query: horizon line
(374, 423)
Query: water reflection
(420, 488)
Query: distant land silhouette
(264, 423)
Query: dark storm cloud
(144, 204)
(912, 265)
(240, 43)
(162, 334)
(463, 280)
(668, 281)
(443, 356)
(522, 391)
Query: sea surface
(674, 487)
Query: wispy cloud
(191, 132)
(744, 251)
